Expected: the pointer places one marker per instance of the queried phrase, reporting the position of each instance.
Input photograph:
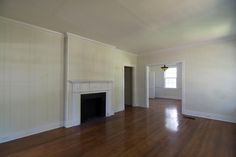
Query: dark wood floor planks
(160, 131)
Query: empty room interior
(117, 78)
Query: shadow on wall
(227, 18)
(232, 6)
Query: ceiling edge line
(190, 45)
(30, 25)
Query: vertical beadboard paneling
(31, 79)
(31, 75)
(90, 60)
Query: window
(170, 77)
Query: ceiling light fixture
(164, 68)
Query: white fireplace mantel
(73, 98)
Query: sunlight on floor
(171, 119)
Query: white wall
(31, 80)
(91, 60)
(160, 90)
(210, 78)
(32, 75)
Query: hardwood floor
(159, 131)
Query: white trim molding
(212, 116)
(119, 108)
(169, 97)
(88, 39)
(31, 26)
(24, 133)
(73, 104)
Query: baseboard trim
(69, 124)
(175, 98)
(209, 116)
(119, 108)
(24, 133)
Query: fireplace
(91, 98)
(93, 106)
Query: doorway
(167, 84)
(128, 86)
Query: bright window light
(170, 77)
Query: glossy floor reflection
(171, 119)
(159, 131)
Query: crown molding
(67, 34)
(6, 19)
(190, 45)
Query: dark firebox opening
(93, 106)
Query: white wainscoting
(31, 79)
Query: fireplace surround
(75, 89)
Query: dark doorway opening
(93, 106)
(128, 86)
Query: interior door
(128, 85)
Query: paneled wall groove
(34, 68)
(31, 84)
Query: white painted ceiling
(137, 26)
